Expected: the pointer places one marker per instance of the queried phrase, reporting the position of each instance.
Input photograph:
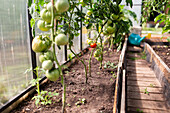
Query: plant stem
(101, 45)
(55, 58)
(81, 62)
(38, 85)
(111, 43)
(90, 61)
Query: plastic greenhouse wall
(15, 55)
(137, 7)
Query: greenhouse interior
(85, 56)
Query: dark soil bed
(98, 93)
(163, 52)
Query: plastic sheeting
(15, 55)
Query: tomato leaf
(32, 22)
(41, 2)
(29, 2)
(129, 2)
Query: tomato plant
(48, 15)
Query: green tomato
(47, 65)
(42, 25)
(110, 29)
(46, 15)
(114, 17)
(97, 53)
(49, 5)
(53, 74)
(42, 58)
(109, 22)
(99, 58)
(89, 41)
(41, 43)
(62, 6)
(89, 12)
(47, 55)
(61, 39)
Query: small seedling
(151, 85)
(43, 97)
(67, 72)
(109, 65)
(146, 91)
(114, 75)
(139, 111)
(80, 102)
(68, 105)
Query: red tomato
(93, 45)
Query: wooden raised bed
(161, 70)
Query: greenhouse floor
(144, 92)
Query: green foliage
(160, 7)
(129, 2)
(139, 111)
(44, 98)
(146, 91)
(109, 64)
(101, 12)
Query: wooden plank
(157, 105)
(122, 109)
(121, 60)
(134, 109)
(141, 78)
(142, 68)
(141, 71)
(143, 96)
(163, 67)
(141, 89)
(141, 74)
(143, 83)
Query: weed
(80, 102)
(139, 111)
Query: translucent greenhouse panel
(15, 55)
(76, 44)
(60, 55)
(84, 37)
(137, 6)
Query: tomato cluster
(42, 43)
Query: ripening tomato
(47, 55)
(46, 15)
(61, 39)
(53, 74)
(62, 6)
(47, 65)
(41, 24)
(41, 43)
(93, 45)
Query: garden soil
(163, 52)
(97, 94)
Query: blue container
(135, 39)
